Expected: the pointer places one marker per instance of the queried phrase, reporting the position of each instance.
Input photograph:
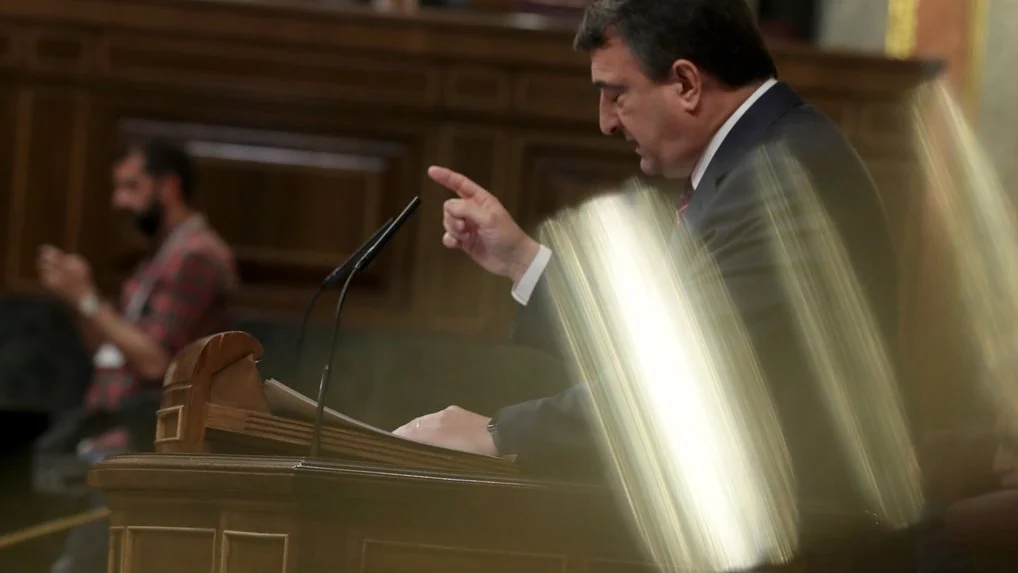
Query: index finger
(455, 182)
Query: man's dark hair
(719, 36)
(164, 157)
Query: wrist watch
(495, 437)
(88, 305)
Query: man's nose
(609, 122)
(120, 200)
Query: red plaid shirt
(191, 289)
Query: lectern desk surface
(214, 401)
(252, 514)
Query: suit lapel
(749, 131)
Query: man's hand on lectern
(453, 428)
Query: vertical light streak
(851, 365)
(677, 395)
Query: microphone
(334, 277)
(384, 236)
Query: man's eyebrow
(603, 85)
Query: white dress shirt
(528, 282)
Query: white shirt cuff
(528, 282)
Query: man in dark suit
(692, 85)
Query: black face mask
(150, 220)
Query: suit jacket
(726, 213)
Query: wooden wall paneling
(898, 182)
(468, 543)
(254, 68)
(882, 134)
(816, 71)
(13, 127)
(61, 50)
(296, 111)
(885, 127)
(838, 108)
(561, 171)
(606, 566)
(9, 134)
(293, 204)
(155, 549)
(296, 164)
(289, 205)
(107, 238)
(13, 41)
(431, 33)
(252, 552)
(46, 206)
(251, 536)
(78, 169)
(557, 95)
(347, 517)
(256, 540)
(455, 294)
(21, 101)
(147, 534)
(381, 556)
(477, 88)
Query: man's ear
(688, 83)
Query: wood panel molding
(452, 295)
(47, 187)
(136, 548)
(70, 51)
(383, 556)
(264, 70)
(158, 548)
(477, 88)
(250, 552)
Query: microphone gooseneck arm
(323, 384)
(362, 261)
(335, 276)
(298, 353)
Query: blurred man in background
(180, 292)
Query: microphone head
(408, 210)
(339, 272)
(387, 234)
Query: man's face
(1005, 463)
(661, 118)
(134, 191)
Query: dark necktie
(687, 193)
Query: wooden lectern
(214, 401)
(228, 492)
